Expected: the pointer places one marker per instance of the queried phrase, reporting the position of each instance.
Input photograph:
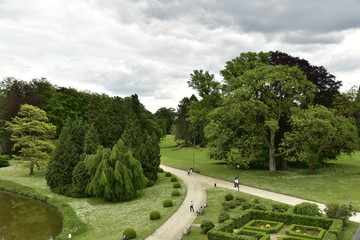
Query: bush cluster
(167, 203)
(279, 207)
(175, 193)
(308, 209)
(130, 233)
(335, 210)
(173, 179)
(154, 215)
(207, 226)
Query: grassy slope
(107, 220)
(326, 186)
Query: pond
(26, 218)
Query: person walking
(191, 206)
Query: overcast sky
(150, 47)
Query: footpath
(196, 185)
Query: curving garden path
(196, 185)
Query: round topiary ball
(176, 185)
(167, 174)
(154, 215)
(206, 226)
(167, 203)
(175, 193)
(173, 179)
(160, 170)
(229, 197)
(130, 233)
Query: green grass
(107, 220)
(324, 186)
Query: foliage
(118, 175)
(308, 209)
(291, 231)
(206, 226)
(4, 160)
(279, 207)
(229, 197)
(130, 233)
(68, 153)
(176, 185)
(173, 179)
(155, 215)
(318, 134)
(167, 203)
(80, 180)
(259, 207)
(175, 193)
(168, 174)
(165, 118)
(223, 217)
(32, 134)
(335, 210)
(160, 170)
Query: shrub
(206, 226)
(150, 183)
(173, 179)
(167, 203)
(256, 201)
(167, 174)
(160, 170)
(175, 193)
(240, 200)
(232, 204)
(130, 233)
(260, 207)
(246, 206)
(223, 217)
(176, 185)
(335, 210)
(154, 215)
(308, 209)
(279, 207)
(229, 197)
(4, 160)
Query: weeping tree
(115, 174)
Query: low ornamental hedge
(225, 230)
(257, 235)
(276, 226)
(291, 231)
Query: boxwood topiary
(279, 207)
(308, 209)
(130, 233)
(176, 185)
(175, 193)
(160, 170)
(173, 179)
(167, 203)
(223, 217)
(154, 215)
(167, 174)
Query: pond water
(26, 218)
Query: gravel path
(196, 185)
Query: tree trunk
(31, 169)
(272, 164)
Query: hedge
(274, 229)
(71, 222)
(290, 231)
(258, 235)
(336, 227)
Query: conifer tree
(118, 175)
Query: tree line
(270, 110)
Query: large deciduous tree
(32, 133)
(319, 134)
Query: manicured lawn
(108, 220)
(325, 186)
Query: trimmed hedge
(155, 215)
(168, 203)
(290, 231)
(175, 193)
(291, 238)
(130, 233)
(167, 174)
(206, 226)
(258, 235)
(274, 229)
(224, 231)
(176, 185)
(173, 179)
(71, 222)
